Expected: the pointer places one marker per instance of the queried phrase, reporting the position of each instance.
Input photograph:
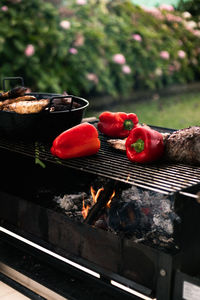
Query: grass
(178, 111)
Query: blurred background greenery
(108, 52)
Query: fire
(128, 177)
(85, 210)
(95, 196)
(109, 201)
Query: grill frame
(162, 177)
(88, 238)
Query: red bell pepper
(80, 140)
(117, 124)
(144, 145)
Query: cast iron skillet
(46, 124)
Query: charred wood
(96, 210)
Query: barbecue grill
(152, 270)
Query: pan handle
(12, 78)
(61, 97)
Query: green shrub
(36, 24)
(100, 47)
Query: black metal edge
(55, 96)
(193, 190)
(164, 280)
(11, 78)
(105, 275)
(59, 265)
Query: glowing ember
(128, 177)
(111, 197)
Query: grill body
(142, 267)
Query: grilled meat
(64, 104)
(27, 107)
(14, 93)
(181, 146)
(18, 99)
(184, 146)
(118, 144)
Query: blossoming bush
(90, 47)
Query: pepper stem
(138, 145)
(128, 124)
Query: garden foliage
(97, 47)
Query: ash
(72, 204)
(153, 221)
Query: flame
(109, 201)
(95, 195)
(128, 177)
(85, 210)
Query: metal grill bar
(160, 177)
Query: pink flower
(30, 50)
(186, 15)
(137, 37)
(181, 54)
(126, 69)
(73, 51)
(119, 59)
(81, 2)
(190, 24)
(65, 24)
(167, 7)
(164, 55)
(173, 18)
(196, 32)
(154, 11)
(4, 8)
(92, 77)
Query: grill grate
(162, 177)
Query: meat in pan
(14, 93)
(18, 99)
(27, 107)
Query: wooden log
(104, 197)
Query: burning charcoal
(144, 216)
(124, 217)
(164, 225)
(72, 204)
